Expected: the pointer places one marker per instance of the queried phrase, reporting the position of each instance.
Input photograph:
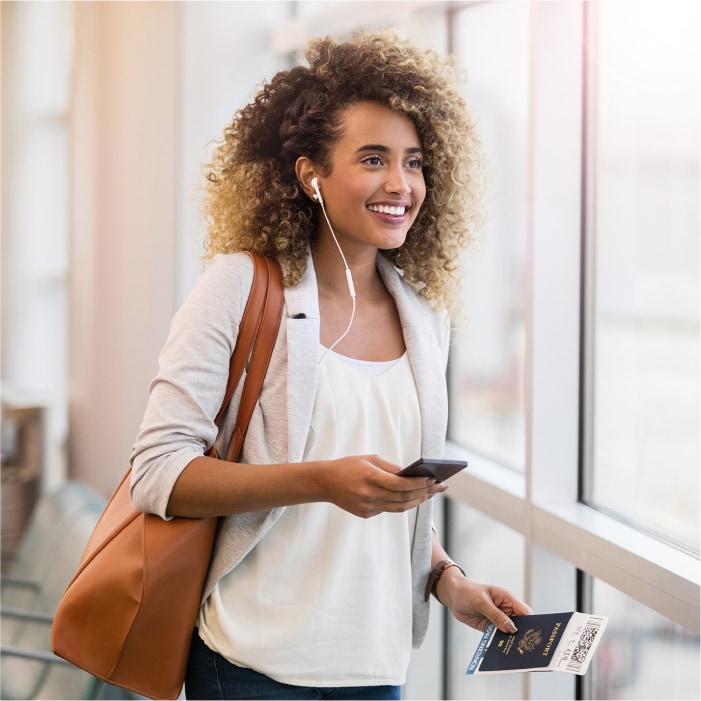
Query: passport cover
(544, 642)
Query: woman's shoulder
(227, 273)
(229, 265)
(219, 294)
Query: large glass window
(487, 410)
(642, 655)
(643, 209)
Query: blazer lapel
(426, 338)
(426, 335)
(303, 335)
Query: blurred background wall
(108, 110)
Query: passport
(544, 642)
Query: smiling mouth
(397, 211)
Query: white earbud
(315, 185)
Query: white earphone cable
(349, 279)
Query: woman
(359, 173)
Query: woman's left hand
(476, 604)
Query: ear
(305, 171)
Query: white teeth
(385, 209)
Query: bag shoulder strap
(254, 345)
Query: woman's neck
(331, 272)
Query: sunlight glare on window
(643, 205)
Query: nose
(397, 182)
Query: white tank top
(325, 598)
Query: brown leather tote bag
(128, 614)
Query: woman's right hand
(367, 485)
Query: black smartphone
(440, 470)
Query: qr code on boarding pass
(583, 651)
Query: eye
(416, 163)
(373, 160)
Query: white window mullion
(552, 393)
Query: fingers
(402, 500)
(401, 489)
(392, 501)
(480, 603)
(504, 623)
(522, 609)
(366, 486)
(396, 502)
(502, 606)
(404, 484)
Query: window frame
(544, 504)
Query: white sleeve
(187, 392)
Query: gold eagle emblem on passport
(529, 641)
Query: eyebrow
(386, 149)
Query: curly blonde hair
(254, 201)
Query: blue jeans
(211, 676)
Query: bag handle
(254, 347)
(267, 331)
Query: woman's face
(375, 186)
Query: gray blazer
(188, 389)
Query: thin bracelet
(435, 575)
